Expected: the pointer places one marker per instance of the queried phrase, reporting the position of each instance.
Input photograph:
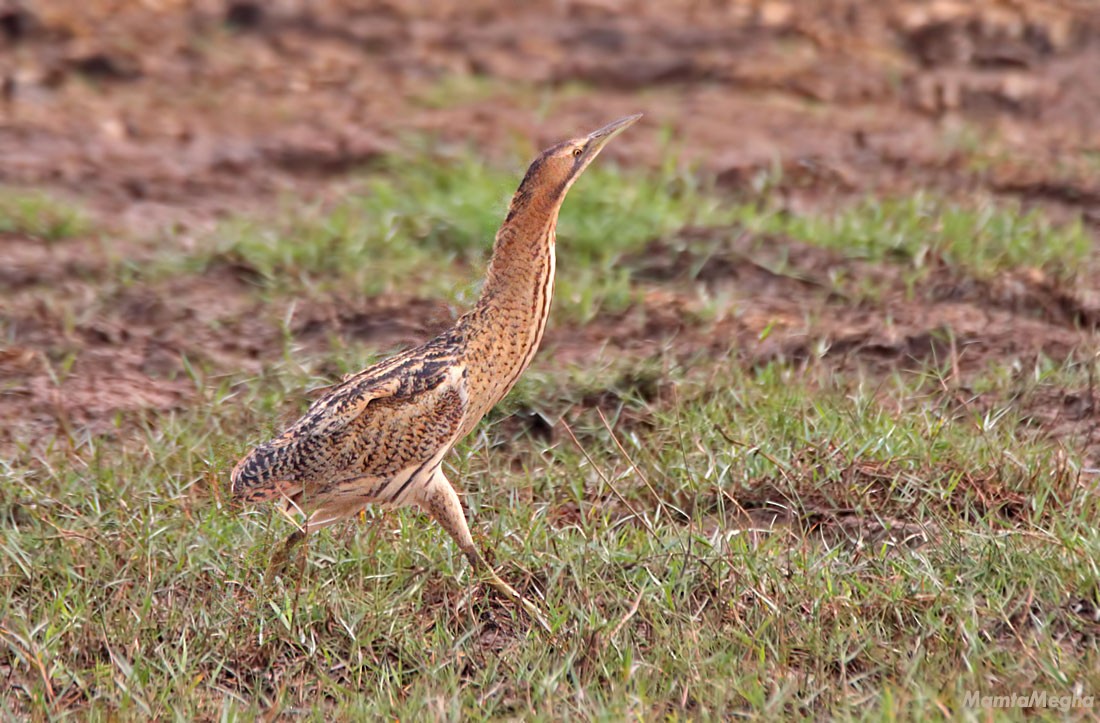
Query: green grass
(424, 225)
(132, 586)
(983, 238)
(40, 215)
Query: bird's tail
(262, 474)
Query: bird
(379, 436)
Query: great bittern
(380, 435)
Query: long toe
(529, 607)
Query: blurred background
(153, 108)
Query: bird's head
(554, 171)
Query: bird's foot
(532, 610)
(529, 607)
(279, 560)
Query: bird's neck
(520, 276)
(506, 325)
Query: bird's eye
(577, 152)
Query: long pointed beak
(597, 139)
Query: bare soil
(172, 115)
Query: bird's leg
(441, 501)
(279, 560)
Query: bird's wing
(374, 424)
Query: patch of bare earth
(167, 111)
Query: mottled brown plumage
(380, 435)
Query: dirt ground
(170, 115)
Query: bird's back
(374, 426)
